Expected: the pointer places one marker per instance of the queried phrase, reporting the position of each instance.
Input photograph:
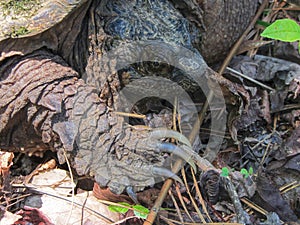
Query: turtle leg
(37, 105)
(44, 105)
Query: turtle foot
(141, 158)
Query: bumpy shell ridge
(30, 17)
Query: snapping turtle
(58, 91)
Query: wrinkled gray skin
(44, 103)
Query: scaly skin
(44, 103)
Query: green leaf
(262, 23)
(244, 172)
(140, 211)
(119, 209)
(284, 30)
(299, 47)
(250, 170)
(225, 172)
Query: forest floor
(256, 173)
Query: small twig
(133, 115)
(255, 207)
(250, 79)
(201, 115)
(242, 216)
(215, 133)
(82, 208)
(73, 188)
(174, 113)
(202, 202)
(193, 200)
(163, 193)
(176, 206)
(287, 9)
(286, 108)
(183, 203)
(15, 198)
(18, 199)
(266, 154)
(283, 187)
(292, 186)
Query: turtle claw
(167, 133)
(136, 161)
(184, 153)
(131, 193)
(163, 172)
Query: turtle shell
(28, 25)
(20, 18)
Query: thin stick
(201, 200)
(250, 79)
(130, 115)
(176, 206)
(183, 203)
(192, 199)
(164, 191)
(73, 188)
(201, 115)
